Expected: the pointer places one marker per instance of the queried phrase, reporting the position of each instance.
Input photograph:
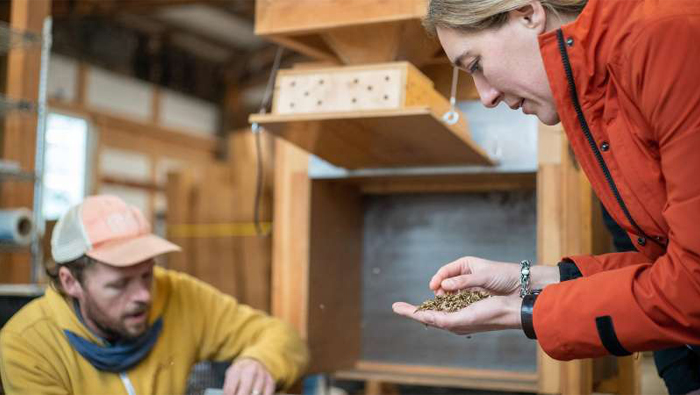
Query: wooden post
(290, 251)
(566, 222)
(19, 134)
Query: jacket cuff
(526, 315)
(568, 271)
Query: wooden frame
(320, 29)
(567, 218)
(318, 240)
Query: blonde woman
(623, 78)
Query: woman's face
(506, 63)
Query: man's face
(505, 63)
(116, 301)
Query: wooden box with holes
(372, 116)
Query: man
(113, 322)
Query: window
(65, 160)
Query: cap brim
(131, 251)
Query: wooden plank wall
(211, 218)
(19, 131)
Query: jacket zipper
(591, 141)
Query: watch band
(526, 311)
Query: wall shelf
(384, 115)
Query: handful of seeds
(453, 302)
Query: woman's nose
(490, 96)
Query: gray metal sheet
(406, 239)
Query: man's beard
(114, 331)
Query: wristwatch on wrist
(526, 315)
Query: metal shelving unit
(11, 39)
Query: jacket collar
(592, 41)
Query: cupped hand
(247, 376)
(496, 278)
(490, 314)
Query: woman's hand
(496, 278)
(490, 314)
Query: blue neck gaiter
(119, 356)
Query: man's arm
(25, 370)
(227, 330)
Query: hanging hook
(451, 117)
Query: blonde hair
(475, 15)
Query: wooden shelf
(383, 115)
(390, 138)
(441, 376)
(356, 32)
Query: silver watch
(524, 278)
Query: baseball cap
(108, 230)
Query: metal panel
(406, 239)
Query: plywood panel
(181, 112)
(120, 95)
(125, 164)
(334, 304)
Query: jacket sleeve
(24, 369)
(592, 264)
(226, 330)
(623, 304)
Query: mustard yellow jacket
(199, 324)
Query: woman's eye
(475, 66)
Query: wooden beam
(483, 379)
(65, 8)
(304, 16)
(19, 133)
(567, 222)
(290, 251)
(549, 224)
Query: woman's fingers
(452, 269)
(471, 281)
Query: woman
(623, 78)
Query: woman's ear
(70, 284)
(531, 16)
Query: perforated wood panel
(340, 91)
(380, 115)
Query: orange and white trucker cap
(105, 228)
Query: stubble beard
(114, 331)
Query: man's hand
(247, 376)
(490, 314)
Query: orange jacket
(626, 80)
